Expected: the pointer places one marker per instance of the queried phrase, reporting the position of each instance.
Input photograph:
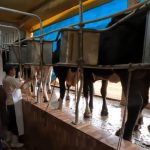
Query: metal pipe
(111, 67)
(23, 13)
(91, 21)
(135, 7)
(125, 111)
(80, 61)
(27, 14)
(80, 33)
(117, 14)
(81, 11)
(118, 22)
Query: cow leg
(104, 111)
(68, 89)
(91, 96)
(62, 93)
(133, 112)
(139, 122)
(86, 83)
(46, 98)
(34, 85)
(137, 100)
(41, 86)
(49, 81)
(49, 87)
(45, 76)
(148, 128)
(87, 113)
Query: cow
(63, 73)
(45, 80)
(123, 44)
(104, 84)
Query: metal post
(80, 63)
(23, 13)
(125, 110)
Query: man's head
(10, 70)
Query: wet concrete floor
(111, 123)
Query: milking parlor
(74, 74)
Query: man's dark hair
(8, 68)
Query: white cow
(43, 78)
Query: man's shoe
(15, 143)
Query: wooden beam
(132, 2)
(69, 13)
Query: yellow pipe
(69, 12)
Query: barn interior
(45, 126)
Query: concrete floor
(111, 123)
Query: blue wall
(97, 12)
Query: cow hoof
(118, 132)
(148, 128)
(87, 115)
(91, 110)
(140, 121)
(34, 96)
(137, 127)
(49, 92)
(128, 138)
(45, 101)
(59, 105)
(104, 113)
(67, 98)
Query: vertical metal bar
(80, 62)
(125, 110)
(80, 32)
(146, 52)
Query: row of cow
(121, 44)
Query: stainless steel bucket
(30, 53)
(69, 48)
(13, 56)
(33, 52)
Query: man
(10, 84)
